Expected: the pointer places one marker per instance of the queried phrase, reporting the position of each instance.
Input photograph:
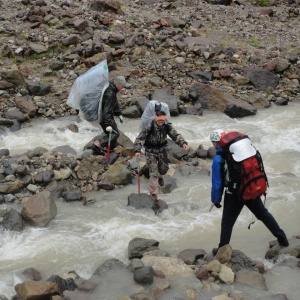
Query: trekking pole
(211, 207)
(139, 179)
(108, 147)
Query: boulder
(39, 209)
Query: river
(82, 237)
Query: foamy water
(82, 237)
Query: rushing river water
(82, 237)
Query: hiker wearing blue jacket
(233, 205)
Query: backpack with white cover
(246, 172)
(87, 92)
(150, 112)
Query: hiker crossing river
(81, 237)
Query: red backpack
(246, 172)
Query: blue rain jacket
(217, 177)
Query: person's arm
(110, 104)
(138, 143)
(117, 110)
(177, 138)
(217, 180)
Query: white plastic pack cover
(149, 112)
(242, 150)
(87, 92)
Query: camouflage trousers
(152, 162)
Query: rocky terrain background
(194, 55)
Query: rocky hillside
(192, 54)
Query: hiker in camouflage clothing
(154, 136)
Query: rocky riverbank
(191, 54)
(153, 274)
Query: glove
(217, 205)
(109, 129)
(121, 119)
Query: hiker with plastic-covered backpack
(110, 108)
(154, 138)
(237, 169)
(96, 100)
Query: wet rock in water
(39, 209)
(138, 246)
(32, 274)
(13, 220)
(140, 201)
(63, 284)
(145, 201)
(144, 275)
(251, 278)
(109, 265)
(106, 185)
(118, 174)
(4, 152)
(190, 256)
(159, 206)
(74, 195)
(36, 289)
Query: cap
(242, 149)
(120, 80)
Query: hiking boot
(154, 197)
(97, 150)
(283, 242)
(161, 181)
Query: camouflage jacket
(155, 137)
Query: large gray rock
(167, 265)
(13, 221)
(239, 111)
(36, 289)
(190, 256)
(112, 264)
(252, 279)
(11, 187)
(140, 201)
(15, 77)
(241, 261)
(262, 79)
(144, 275)
(138, 246)
(214, 99)
(275, 249)
(118, 174)
(175, 150)
(39, 209)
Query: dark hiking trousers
(232, 208)
(109, 121)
